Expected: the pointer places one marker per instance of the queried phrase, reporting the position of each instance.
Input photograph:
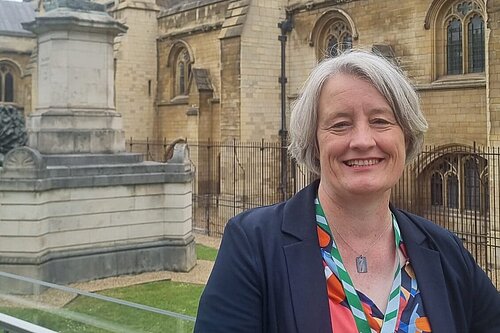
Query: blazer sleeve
(485, 299)
(232, 299)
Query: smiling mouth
(361, 163)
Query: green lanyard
(391, 313)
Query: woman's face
(361, 146)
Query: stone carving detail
(169, 151)
(23, 158)
(180, 156)
(12, 130)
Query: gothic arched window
(180, 60)
(6, 84)
(338, 38)
(459, 180)
(333, 32)
(459, 37)
(183, 70)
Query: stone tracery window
(180, 61)
(333, 32)
(183, 69)
(464, 178)
(465, 36)
(459, 43)
(6, 84)
(338, 38)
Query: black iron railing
(454, 186)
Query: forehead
(341, 82)
(349, 91)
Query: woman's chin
(368, 190)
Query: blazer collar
(427, 266)
(299, 219)
(304, 263)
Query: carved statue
(12, 130)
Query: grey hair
(388, 79)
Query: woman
(337, 257)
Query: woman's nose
(362, 138)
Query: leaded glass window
(181, 83)
(460, 181)
(437, 189)
(464, 38)
(332, 46)
(183, 69)
(6, 84)
(9, 87)
(475, 47)
(454, 47)
(452, 190)
(472, 185)
(347, 41)
(339, 38)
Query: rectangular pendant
(361, 264)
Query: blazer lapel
(304, 263)
(306, 275)
(427, 266)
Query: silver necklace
(361, 262)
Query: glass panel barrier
(69, 310)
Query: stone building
(16, 47)
(211, 69)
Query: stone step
(92, 159)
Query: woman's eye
(381, 121)
(340, 125)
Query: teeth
(362, 162)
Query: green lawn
(205, 253)
(85, 314)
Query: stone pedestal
(73, 205)
(68, 218)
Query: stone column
(75, 111)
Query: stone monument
(74, 205)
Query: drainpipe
(286, 26)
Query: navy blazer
(269, 276)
